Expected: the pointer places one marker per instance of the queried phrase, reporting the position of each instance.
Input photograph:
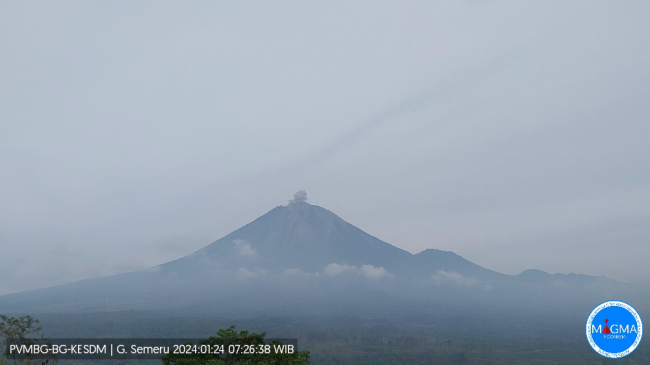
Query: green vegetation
(360, 341)
(17, 328)
(384, 349)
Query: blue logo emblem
(614, 329)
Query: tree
(230, 339)
(16, 330)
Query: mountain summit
(296, 236)
(301, 251)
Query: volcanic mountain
(295, 251)
(307, 238)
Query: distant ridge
(301, 251)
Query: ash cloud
(299, 197)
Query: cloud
(451, 277)
(369, 271)
(245, 248)
(292, 271)
(244, 273)
(341, 136)
(487, 287)
(454, 278)
(372, 272)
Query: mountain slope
(307, 256)
(297, 236)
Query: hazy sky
(516, 134)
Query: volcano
(294, 251)
(307, 238)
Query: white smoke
(299, 197)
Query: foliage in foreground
(243, 339)
(12, 329)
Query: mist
(511, 134)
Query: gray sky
(515, 134)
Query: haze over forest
(513, 134)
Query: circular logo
(614, 329)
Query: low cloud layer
(295, 272)
(453, 278)
(246, 273)
(368, 271)
(244, 248)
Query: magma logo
(614, 329)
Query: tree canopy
(17, 329)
